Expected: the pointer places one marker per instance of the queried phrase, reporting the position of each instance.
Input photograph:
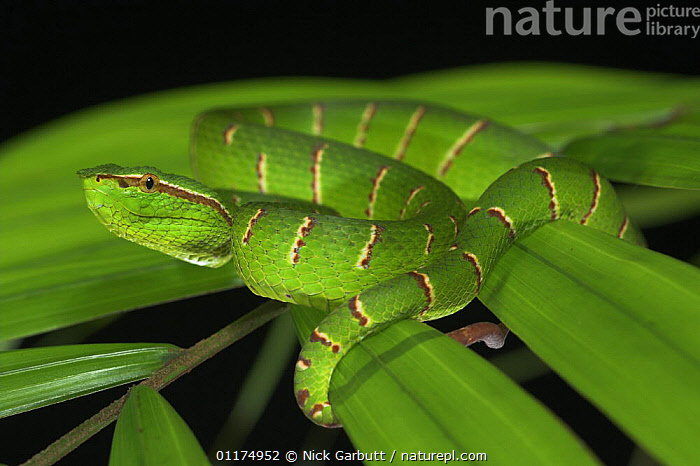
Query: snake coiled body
(299, 197)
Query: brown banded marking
(302, 232)
(623, 227)
(417, 115)
(424, 284)
(376, 182)
(468, 256)
(420, 207)
(500, 214)
(251, 223)
(549, 184)
(322, 338)
(374, 238)
(454, 221)
(161, 186)
(316, 159)
(318, 408)
(302, 397)
(268, 116)
(473, 211)
(431, 237)
(454, 246)
(596, 197)
(303, 364)
(228, 134)
(410, 197)
(457, 147)
(356, 309)
(317, 123)
(363, 126)
(261, 172)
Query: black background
(56, 59)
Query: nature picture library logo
(659, 20)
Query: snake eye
(148, 183)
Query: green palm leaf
(150, 432)
(36, 377)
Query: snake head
(169, 213)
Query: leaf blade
(150, 432)
(36, 377)
(409, 388)
(650, 159)
(641, 368)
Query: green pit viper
(299, 197)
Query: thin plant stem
(182, 363)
